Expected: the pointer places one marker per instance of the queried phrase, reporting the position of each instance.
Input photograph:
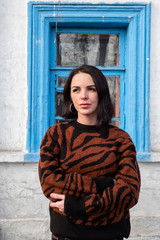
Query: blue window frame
(131, 21)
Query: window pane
(115, 123)
(61, 81)
(113, 83)
(63, 120)
(92, 49)
(58, 103)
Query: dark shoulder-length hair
(105, 106)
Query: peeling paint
(38, 41)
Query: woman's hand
(59, 203)
(115, 182)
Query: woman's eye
(92, 89)
(75, 90)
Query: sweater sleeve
(54, 179)
(118, 198)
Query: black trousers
(64, 238)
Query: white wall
(23, 209)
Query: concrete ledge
(10, 156)
(24, 156)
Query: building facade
(36, 42)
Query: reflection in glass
(115, 123)
(113, 83)
(58, 103)
(61, 81)
(63, 120)
(92, 49)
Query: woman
(88, 168)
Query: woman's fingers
(57, 196)
(58, 204)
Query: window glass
(61, 81)
(92, 49)
(113, 83)
(58, 103)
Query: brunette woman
(88, 168)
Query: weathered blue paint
(147, 147)
(133, 20)
(29, 76)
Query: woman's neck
(87, 120)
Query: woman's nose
(84, 95)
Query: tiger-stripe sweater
(97, 171)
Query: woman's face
(84, 95)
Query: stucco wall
(23, 208)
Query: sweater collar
(92, 128)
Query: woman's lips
(84, 104)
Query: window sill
(17, 157)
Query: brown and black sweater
(81, 162)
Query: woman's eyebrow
(86, 86)
(76, 87)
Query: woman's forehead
(81, 78)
